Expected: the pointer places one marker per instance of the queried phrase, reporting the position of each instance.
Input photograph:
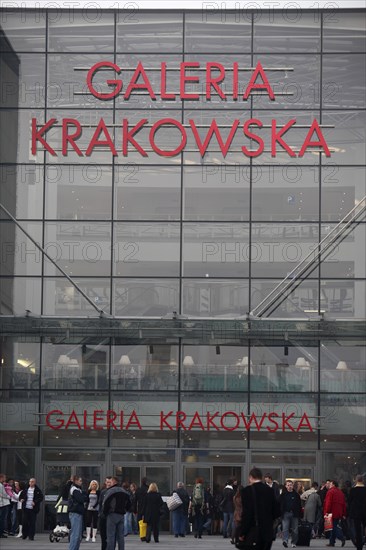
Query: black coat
(357, 503)
(184, 497)
(292, 498)
(267, 510)
(140, 496)
(37, 497)
(152, 506)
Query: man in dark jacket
(31, 498)
(102, 518)
(273, 484)
(258, 500)
(290, 513)
(357, 510)
(116, 503)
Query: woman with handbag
(260, 508)
(151, 512)
(180, 514)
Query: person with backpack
(198, 507)
(227, 507)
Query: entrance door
(214, 477)
(302, 474)
(54, 478)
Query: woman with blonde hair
(151, 512)
(91, 520)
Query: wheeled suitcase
(305, 531)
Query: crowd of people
(116, 510)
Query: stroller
(61, 530)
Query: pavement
(167, 541)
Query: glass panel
(216, 250)
(302, 475)
(78, 193)
(66, 367)
(340, 298)
(342, 189)
(302, 301)
(19, 295)
(347, 138)
(348, 259)
(342, 368)
(216, 193)
(19, 364)
(20, 462)
(15, 145)
(343, 420)
(29, 89)
(89, 31)
(221, 475)
(296, 135)
(60, 297)
(288, 369)
(130, 474)
(147, 193)
(145, 297)
(89, 120)
(61, 93)
(146, 249)
(87, 473)
(217, 31)
(286, 31)
(215, 368)
(162, 477)
(214, 420)
(162, 455)
(278, 248)
(141, 422)
(19, 255)
(21, 190)
(285, 193)
(139, 31)
(344, 81)
(78, 248)
(68, 455)
(191, 473)
(343, 466)
(298, 85)
(140, 99)
(344, 31)
(293, 421)
(55, 478)
(74, 419)
(151, 367)
(25, 30)
(216, 457)
(19, 418)
(215, 298)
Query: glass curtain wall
(203, 236)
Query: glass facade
(203, 236)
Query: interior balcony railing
(308, 264)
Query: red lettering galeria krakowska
(126, 142)
(227, 421)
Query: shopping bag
(142, 529)
(328, 522)
(173, 502)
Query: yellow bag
(142, 528)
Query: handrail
(291, 279)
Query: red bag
(328, 522)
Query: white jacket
(4, 499)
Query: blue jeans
(179, 521)
(3, 516)
(128, 523)
(115, 531)
(336, 532)
(289, 521)
(76, 533)
(228, 523)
